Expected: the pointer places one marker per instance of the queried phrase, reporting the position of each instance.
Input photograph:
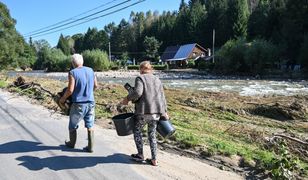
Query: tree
(78, 42)
(258, 20)
(151, 45)
(196, 15)
(180, 29)
(118, 38)
(237, 14)
(110, 28)
(12, 45)
(216, 19)
(63, 44)
(275, 23)
(42, 48)
(294, 27)
(96, 59)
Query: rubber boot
(89, 148)
(73, 136)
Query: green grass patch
(187, 139)
(3, 84)
(100, 111)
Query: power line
(63, 21)
(91, 19)
(83, 18)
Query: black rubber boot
(89, 148)
(73, 136)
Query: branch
(291, 138)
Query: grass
(3, 84)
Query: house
(178, 56)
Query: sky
(32, 15)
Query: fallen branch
(291, 138)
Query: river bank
(240, 131)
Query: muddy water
(244, 87)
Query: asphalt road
(32, 147)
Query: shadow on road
(30, 146)
(57, 163)
(71, 162)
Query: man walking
(81, 85)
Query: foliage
(155, 67)
(303, 55)
(258, 20)
(260, 55)
(42, 48)
(78, 42)
(238, 56)
(63, 45)
(123, 59)
(3, 84)
(205, 65)
(237, 18)
(191, 63)
(96, 59)
(283, 167)
(94, 39)
(216, 19)
(151, 45)
(56, 60)
(231, 57)
(14, 51)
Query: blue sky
(32, 15)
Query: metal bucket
(165, 128)
(124, 123)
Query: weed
(283, 167)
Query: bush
(57, 61)
(155, 67)
(133, 67)
(97, 60)
(205, 65)
(238, 57)
(231, 57)
(191, 63)
(160, 67)
(260, 55)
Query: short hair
(77, 59)
(145, 66)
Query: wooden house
(178, 56)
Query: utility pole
(109, 52)
(213, 46)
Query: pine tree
(63, 45)
(238, 14)
(216, 19)
(258, 20)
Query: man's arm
(95, 83)
(70, 89)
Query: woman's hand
(167, 116)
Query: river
(244, 87)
